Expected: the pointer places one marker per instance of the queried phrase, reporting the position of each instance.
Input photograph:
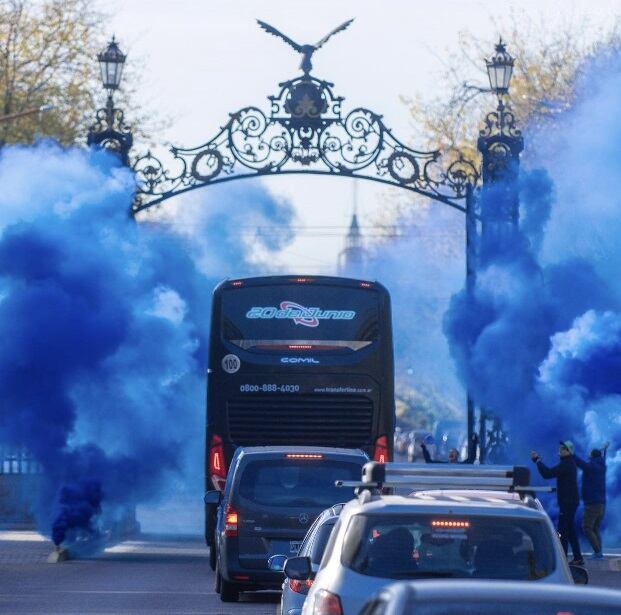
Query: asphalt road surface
(151, 575)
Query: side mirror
(276, 563)
(579, 574)
(213, 498)
(298, 568)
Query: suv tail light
(300, 587)
(217, 465)
(327, 603)
(231, 522)
(380, 454)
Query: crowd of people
(568, 495)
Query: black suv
(273, 494)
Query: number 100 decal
(231, 363)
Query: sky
(201, 60)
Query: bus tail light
(231, 522)
(327, 603)
(217, 465)
(300, 587)
(380, 454)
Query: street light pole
(500, 143)
(109, 130)
(31, 111)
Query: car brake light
(231, 522)
(327, 603)
(300, 346)
(365, 284)
(451, 524)
(217, 465)
(303, 456)
(237, 283)
(300, 587)
(380, 454)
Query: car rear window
(297, 482)
(442, 546)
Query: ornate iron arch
(306, 132)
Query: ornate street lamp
(500, 69)
(500, 140)
(109, 130)
(111, 62)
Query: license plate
(294, 546)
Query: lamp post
(500, 143)
(31, 111)
(109, 130)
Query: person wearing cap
(566, 475)
(594, 496)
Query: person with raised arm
(566, 474)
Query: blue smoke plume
(539, 342)
(104, 326)
(422, 270)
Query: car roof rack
(418, 476)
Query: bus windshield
(275, 316)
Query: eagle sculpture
(306, 50)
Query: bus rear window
(279, 316)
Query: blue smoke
(539, 342)
(104, 326)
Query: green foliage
(547, 62)
(48, 56)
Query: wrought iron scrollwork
(110, 131)
(501, 123)
(305, 132)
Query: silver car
(294, 592)
(379, 538)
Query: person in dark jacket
(566, 475)
(453, 454)
(594, 496)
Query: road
(152, 575)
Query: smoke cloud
(539, 342)
(104, 327)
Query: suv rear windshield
(297, 482)
(421, 546)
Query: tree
(547, 64)
(48, 56)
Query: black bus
(298, 361)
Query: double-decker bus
(298, 361)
